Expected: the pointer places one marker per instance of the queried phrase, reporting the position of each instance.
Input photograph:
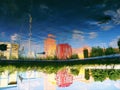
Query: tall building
(12, 50)
(63, 51)
(50, 46)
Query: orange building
(79, 51)
(50, 46)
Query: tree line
(98, 51)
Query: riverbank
(60, 62)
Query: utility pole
(30, 35)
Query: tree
(87, 75)
(114, 74)
(74, 72)
(118, 43)
(109, 51)
(96, 51)
(74, 56)
(99, 74)
(3, 47)
(85, 52)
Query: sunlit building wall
(50, 47)
(12, 50)
(79, 51)
(63, 51)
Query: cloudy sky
(77, 22)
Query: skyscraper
(50, 46)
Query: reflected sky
(79, 22)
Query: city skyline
(77, 23)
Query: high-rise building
(50, 46)
(63, 51)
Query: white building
(12, 50)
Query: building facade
(63, 51)
(79, 51)
(12, 50)
(50, 47)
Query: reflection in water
(66, 78)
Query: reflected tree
(99, 74)
(87, 75)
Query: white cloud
(92, 35)
(78, 35)
(15, 37)
(78, 32)
(110, 12)
(42, 6)
(117, 85)
(106, 27)
(114, 14)
(113, 43)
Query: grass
(51, 66)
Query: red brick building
(63, 51)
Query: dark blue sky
(77, 22)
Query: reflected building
(50, 46)
(8, 79)
(64, 78)
(49, 82)
(12, 50)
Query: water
(77, 77)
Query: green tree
(87, 75)
(96, 51)
(74, 56)
(74, 71)
(109, 51)
(99, 74)
(114, 74)
(118, 43)
(85, 52)
(3, 47)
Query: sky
(76, 22)
(39, 85)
